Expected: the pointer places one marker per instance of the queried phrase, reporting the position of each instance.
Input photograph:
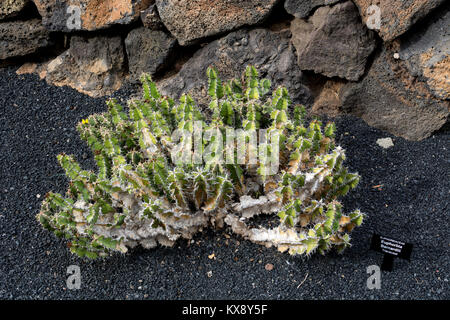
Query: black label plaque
(392, 249)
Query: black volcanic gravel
(37, 122)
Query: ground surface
(38, 121)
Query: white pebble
(385, 143)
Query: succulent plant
(154, 186)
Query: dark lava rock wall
(386, 61)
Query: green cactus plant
(143, 194)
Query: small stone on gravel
(385, 143)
